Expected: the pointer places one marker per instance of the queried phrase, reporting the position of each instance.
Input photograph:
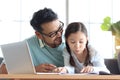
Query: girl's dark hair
(73, 28)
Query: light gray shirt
(96, 59)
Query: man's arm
(40, 68)
(45, 68)
(3, 69)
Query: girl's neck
(81, 57)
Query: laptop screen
(17, 58)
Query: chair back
(118, 60)
(112, 66)
(1, 59)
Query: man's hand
(45, 68)
(87, 69)
(60, 70)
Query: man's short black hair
(42, 16)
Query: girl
(79, 56)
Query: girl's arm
(98, 64)
(70, 69)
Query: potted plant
(107, 25)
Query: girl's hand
(87, 69)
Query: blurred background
(15, 16)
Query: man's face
(52, 33)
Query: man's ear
(38, 34)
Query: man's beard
(56, 42)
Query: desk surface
(59, 77)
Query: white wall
(16, 14)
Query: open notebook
(17, 58)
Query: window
(16, 14)
(91, 13)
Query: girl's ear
(38, 34)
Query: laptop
(17, 58)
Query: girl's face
(77, 42)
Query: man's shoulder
(32, 37)
(32, 40)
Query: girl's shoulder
(94, 54)
(92, 50)
(65, 52)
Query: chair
(118, 60)
(1, 59)
(112, 65)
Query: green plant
(107, 25)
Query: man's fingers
(45, 67)
(49, 66)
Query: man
(46, 46)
